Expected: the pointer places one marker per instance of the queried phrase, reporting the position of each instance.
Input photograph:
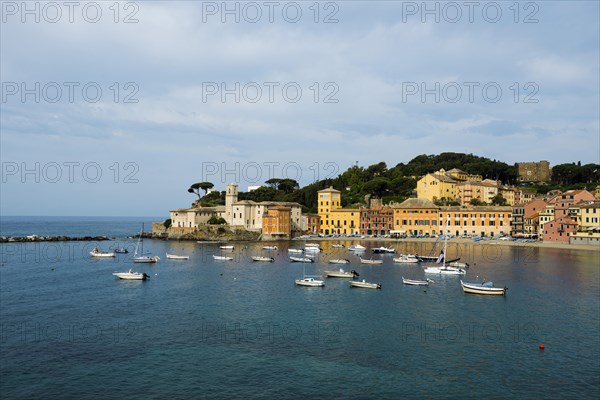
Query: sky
(114, 109)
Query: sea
(202, 328)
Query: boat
(339, 261)
(415, 282)
(337, 246)
(357, 247)
(142, 258)
(263, 259)
(269, 247)
(312, 245)
(458, 264)
(364, 284)
(99, 254)
(297, 251)
(312, 249)
(384, 250)
(132, 276)
(176, 257)
(226, 247)
(121, 250)
(406, 259)
(445, 269)
(222, 258)
(311, 282)
(301, 259)
(370, 261)
(483, 288)
(341, 274)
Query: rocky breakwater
(60, 238)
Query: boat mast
(445, 241)
(138, 242)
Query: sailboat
(141, 258)
(445, 269)
(310, 281)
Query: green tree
(498, 200)
(214, 220)
(477, 202)
(195, 188)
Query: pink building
(563, 201)
(559, 229)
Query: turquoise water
(240, 329)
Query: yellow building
(483, 191)
(416, 217)
(334, 219)
(509, 195)
(588, 231)
(460, 175)
(476, 220)
(436, 186)
(546, 215)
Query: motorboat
(415, 282)
(357, 247)
(269, 247)
(483, 288)
(296, 251)
(228, 247)
(339, 261)
(263, 259)
(406, 259)
(312, 245)
(337, 246)
(121, 250)
(370, 261)
(364, 284)
(100, 254)
(311, 282)
(457, 264)
(176, 257)
(132, 276)
(222, 258)
(383, 250)
(341, 274)
(302, 259)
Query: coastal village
(479, 208)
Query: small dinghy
(263, 259)
(415, 282)
(339, 261)
(370, 261)
(364, 284)
(301, 259)
(176, 257)
(341, 274)
(406, 259)
(222, 258)
(483, 288)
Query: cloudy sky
(116, 109)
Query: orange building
(415, 217)
(277, 223)
(478, 220)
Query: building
(335, 219)
(517, 222)
(509, 194)
(559, 230)
(186, 220)
(588, 231)
(534, 207)
(437, 186)
(532, 225)
(534, 171)
(546, 215)
(484, 191)
(311, 223)
(415, 217)
(483, 221)
(276, 223)
(376, 220)
(563, 201)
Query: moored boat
(301, 259)
(337, 246)
(339, 261)
(341, 274)
(364, 284)
(310, 282)
(383, 250)
(227, 247)
(222, 258)
(296, 251)
(131, 275)
(483, 288)
(100, 254)
(121, 250)
(357, 247)
(416, 282)
(406, 259)
(263, 259)
(370, 261)
(457, 264)
(176, 257)
(269, 247)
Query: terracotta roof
(416, 203)
(329, 189)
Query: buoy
(542, 346)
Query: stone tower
(231, 196)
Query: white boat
(311, 282)
(312, 249)
(297, 251)
(482, 288)
(141, 258)
(341, 274)
(133, 276)
(370, 261)
(384, 250)
(99, 254)
(269, 247)
(458, 264)
(301, 259)
(312, 245)
(263, 259)
(339, 261)
(337, 246)
(176, 257)
(445, 269)
(222, 258)
(364, 284)
(406, 259)
(415, 282)
(357, 247)
(228, 247)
